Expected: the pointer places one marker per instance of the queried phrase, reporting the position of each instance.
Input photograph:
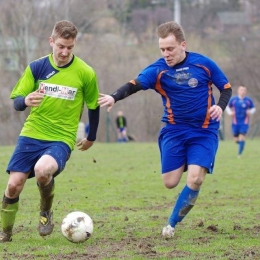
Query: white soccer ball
(77, 227)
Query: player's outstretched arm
(106, 100)
(126, 90)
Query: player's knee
(170, 184)
(195, 182)
(13, 189)
(198, 181)
(42, 174)
(171, 179)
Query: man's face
(62, 50)
(172, 51)
(241, 91)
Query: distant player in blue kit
(240, 107)
(189, 139)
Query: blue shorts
(28, 151)
(121, 129)
(239, 129)
(185, 146)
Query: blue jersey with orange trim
(186, 89)
(240, 106)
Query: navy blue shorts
(28, 151)
(121, 129)
(240, 129)
(187, 146)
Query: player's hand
(106, 100)
(84, 144)
(216, 112)
(34, 99)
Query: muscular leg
(44, 171)
(189, 194)
(10, 203)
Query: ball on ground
(77, 227)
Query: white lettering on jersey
(181, 69)
(50, 74)
(57, 91)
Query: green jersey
(66, 90)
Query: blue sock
(184, 204)
(241, 146)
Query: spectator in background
(121, 125)
(240, 108)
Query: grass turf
(120, 187)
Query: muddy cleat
(46, 225)
(168, 231)
(5, 237)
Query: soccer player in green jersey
(55, 87)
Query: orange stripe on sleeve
(133, 82)
(228, 85)
(206, 121)
(158, 87)
(205, 68)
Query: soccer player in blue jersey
(189, 139)
(55, 87)
(240, 107)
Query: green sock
(8, 213)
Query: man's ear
(51, 41)
(183, 45)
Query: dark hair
(64, 29)
(171, 28)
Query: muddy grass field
(120, 187)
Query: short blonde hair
(64, 29)
(171, 28)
